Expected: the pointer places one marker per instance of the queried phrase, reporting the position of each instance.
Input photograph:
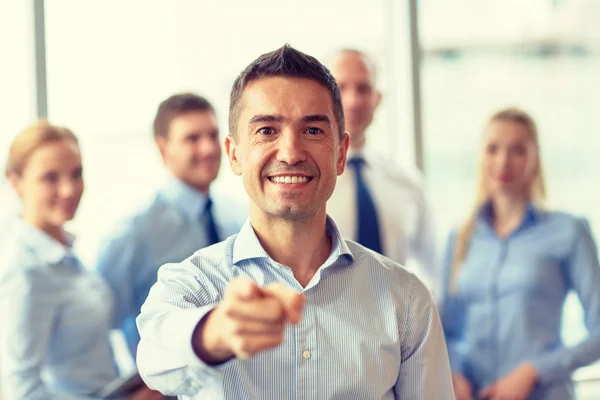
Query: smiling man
(183, 216)
(288, 309)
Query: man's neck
(203, 189)
(301, 245)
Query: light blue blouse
(508, 305)
(55, 320)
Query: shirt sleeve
(28, 307)
(452, 311)
(116, 263)
(582, 273)
(175, 306)
(424, 370)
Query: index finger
(291, 300)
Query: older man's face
(360, 98)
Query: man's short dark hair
(175, 106)
(285, 62)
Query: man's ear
(343, 153)
(378, 96)
(161, 143)
(230, 149)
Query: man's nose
(290, 148)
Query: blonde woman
(55, 315)
(508, 270)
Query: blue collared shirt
(167, 229)
(508, 303)
(369, 329)
(55, 320)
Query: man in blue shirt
(182, 216)
(288, 309)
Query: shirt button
(306, 354)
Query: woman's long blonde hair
(30, 139)
(536, 191)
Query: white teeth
(289, 179)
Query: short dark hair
(175, 106)
(285, 62)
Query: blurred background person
(56, 315)
(182, 217)
(508, 270)
(376, 202)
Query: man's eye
(314, 131)
(266, 131)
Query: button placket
(306, 353)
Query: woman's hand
(517, 385)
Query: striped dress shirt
(369, 329)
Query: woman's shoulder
(18, 257)
(558, 219)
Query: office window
(17, 87)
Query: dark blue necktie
(368, 226)
(210, 226)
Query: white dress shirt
(404, 217)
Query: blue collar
(532, 214)
(247, 246)
(188, 200)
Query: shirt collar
(247, 245)
(532, 213)
(45, 246)
(187, 199)
(356, 153)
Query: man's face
(191, 150)
(360, 98)
(286, 147)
